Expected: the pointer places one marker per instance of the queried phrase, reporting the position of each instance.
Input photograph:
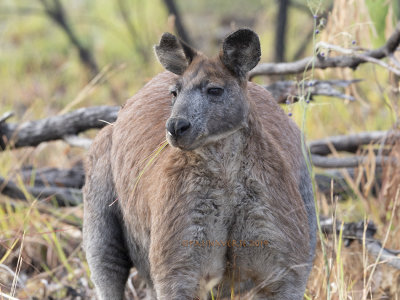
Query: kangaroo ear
(173, 54)
(241, 51)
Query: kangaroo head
(209, 98)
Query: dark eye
(215, 91)
(174, 93)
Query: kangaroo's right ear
(241, 51)
(173, 54)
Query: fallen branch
(352, 52)
(33, 133)
(332, 181)
(320, 62)
(293, 90)
(62, 196)
(352, 142)
(347, 162)
(355, 231)
(45, 177)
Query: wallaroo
(200, 165)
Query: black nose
(177, 127)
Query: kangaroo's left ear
(241, 51)
(174, 54)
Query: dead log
(61, 196)
(347, 162)
(53, 177)
(332, 182)
(33, 133)
(293, 90)
(321, 62)
(352, 142)
(354, 231)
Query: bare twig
(306, 40)
(394, 60)
(6, 116)
(345, 61)
(354, 53)
(56, 12)
(7, 297)
(180, 28)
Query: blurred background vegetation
(59, 55)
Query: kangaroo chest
(223, 188)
